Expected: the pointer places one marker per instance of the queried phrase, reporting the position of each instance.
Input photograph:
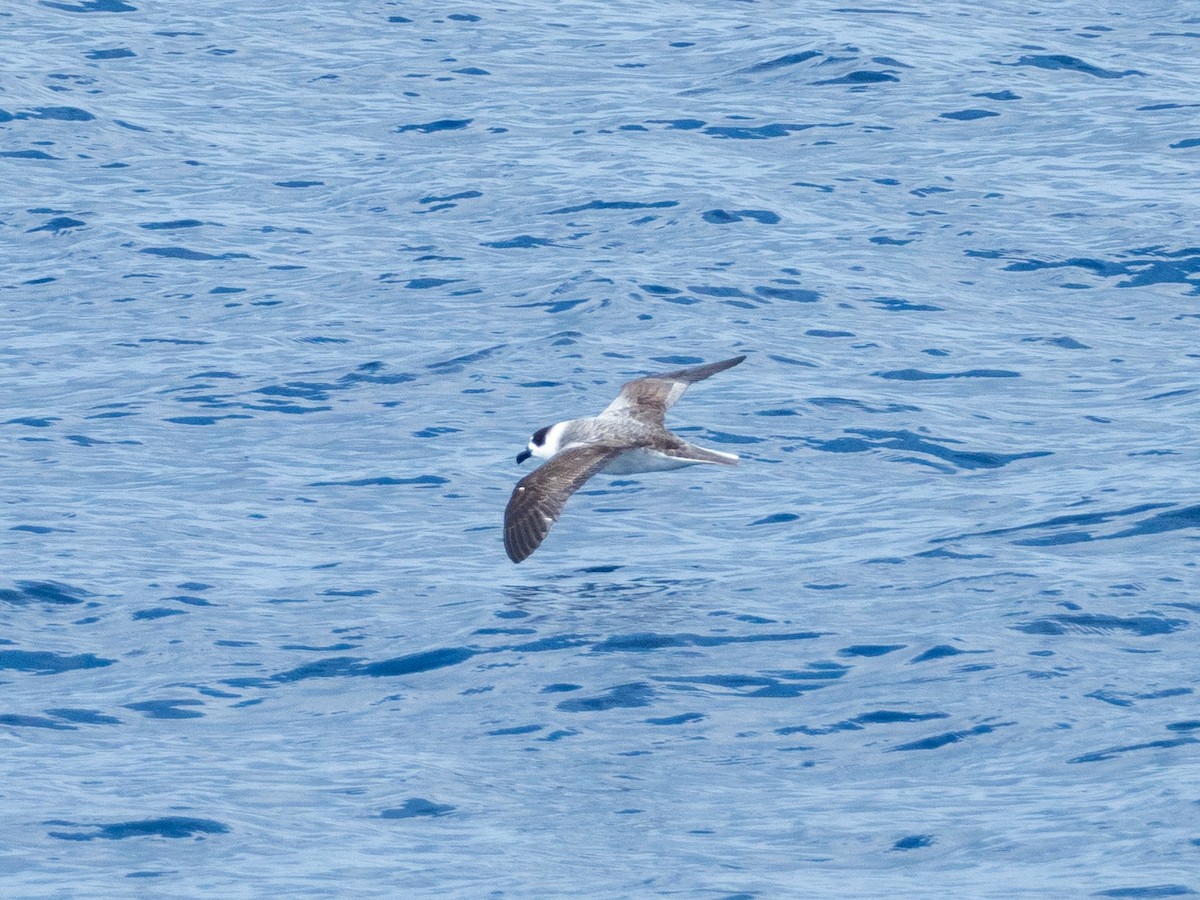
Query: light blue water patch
(284, 295)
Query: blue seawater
(284, 292)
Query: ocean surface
(284, 290)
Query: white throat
(553, 442)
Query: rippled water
(284, 292)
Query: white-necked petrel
(629, 436)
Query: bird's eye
(539, 436)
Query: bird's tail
(705, 455)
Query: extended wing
(648, 399)
(538, 499)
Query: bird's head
(544, 443)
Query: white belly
(633, 461)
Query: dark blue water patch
(790, 59)
(898, 304)
(1004, 95)
(943, 553)
(399, 20)
(372, 373)
(550, 644)
(776, 413)
(968, 115)
(623, 696)
(648, 641)
(157, 612)
(57, 225)
(705, 290)
(941, 651)
(679, 124)
(773, 684)
(83, 716)
(1153, 890)
(1109, 753)
(861, 78)
(115, 53)
(724, 437)
(1125, 700)
(554, 306)
(1062, 62)
(332, 667)
(193, 255)
(35, 529)
(756, 132)
(1089, 623)
(16, 720)
(681, 719)
(520, 242)
(303, 390)
(34, 421)
(449, 198)
(299, 184)
(909, 442)
(1067, 343)
(659, 290)
(466, 360)
(435, 431)
(938, 741)
(776, 519)
(791, 294)
(1186, 144)
(386, 481)
(166, 827)
(82, 440)
(728, 217)
(472, 70)
(858, 723)
(438, 125)
(200, 420)
(57, 113)
(913, 842)
(27, 592)
(515, 730)
(1140, 267)
(613, 204)
(419, 662)
(1172, 520)
(171, 225)
(167, 709)
(422, 284)
(1073, 519)
(921, 375)
(350, 666)
(561, 688)
(825, 333)
(870, 650)
(417, 807)
(26, 154)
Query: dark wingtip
(516, 552)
